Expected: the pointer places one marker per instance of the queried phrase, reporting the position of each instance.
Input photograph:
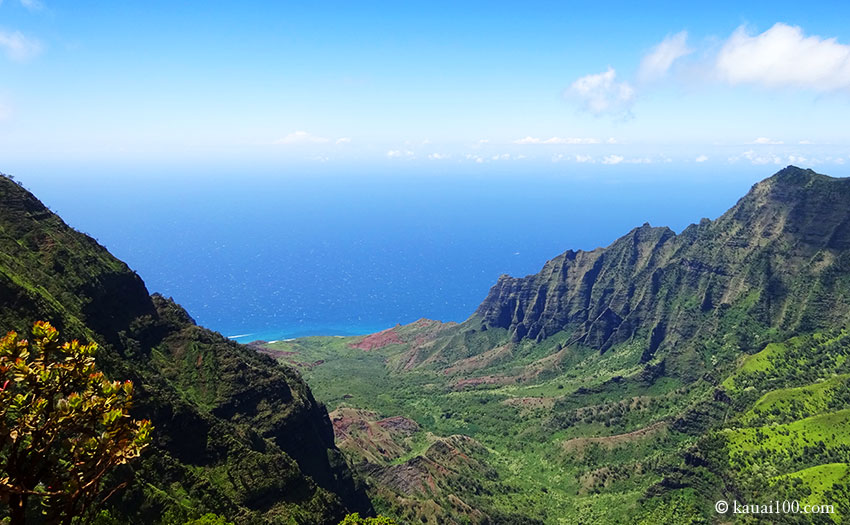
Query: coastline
(290, 333)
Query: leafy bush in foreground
(63, 425)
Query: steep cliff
(235, 433)
(776, 263)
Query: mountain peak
(795, 177)
(811, 200)
(661, 290)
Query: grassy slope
(524, 421)
(785, 431)
(591, 437)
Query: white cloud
(602, 93)
(765, 140)
(437, 156)
(343, 140)
(805, 142)
(32, 5)
(757, 158)
(783, 57)
(780, 57)
(397, 154)
(797, 159)
(570, 140)
(640, 160)
(557, 140)
(483, 141)
(701, 158)
(18, 47)
(301, 137)
(657, 62)
(503, 156)
(558, 157)
(584, 159)
(475, 158)
(612, 159)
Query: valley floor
(562, 434)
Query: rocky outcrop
(777, 260)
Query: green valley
(638, 383)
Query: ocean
(278, 255)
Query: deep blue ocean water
(277, 255)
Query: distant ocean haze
(274, 257)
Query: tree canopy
(355, 519)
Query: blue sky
(430, 85)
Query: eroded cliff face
(592, 291)
(777, 260)
(235, 432)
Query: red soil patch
(399, 424)
(373, 439)
(379, 340)
(481, 360)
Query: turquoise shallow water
(293, 332)
(277, 257)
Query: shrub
(63, 425)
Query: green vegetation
(594, 442)
(638, 383)
(236, 435)
(523, 465)
(785, 431)
(63, 426)
(355, 519)
(209, 519)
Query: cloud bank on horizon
(309, 87)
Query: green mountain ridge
(637, 383)
(235, 433)
(772, 259)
